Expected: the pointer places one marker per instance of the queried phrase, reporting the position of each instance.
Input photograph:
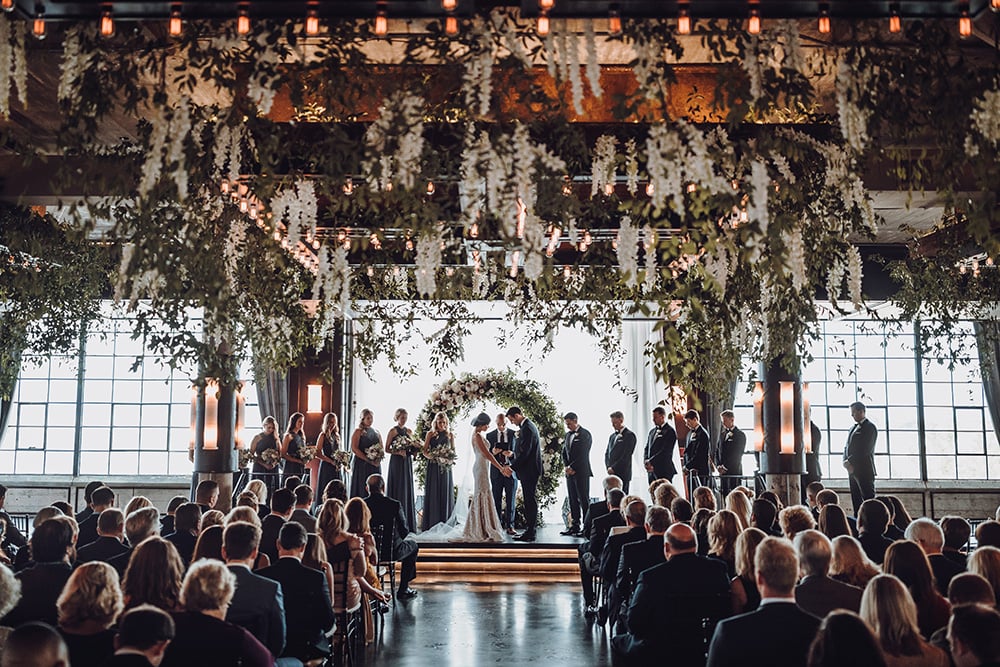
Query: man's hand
(649, 466)
(508, 453)
(569, 471)
(849, 466)
(723, 470)
(611, 471)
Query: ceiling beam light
(753, 25)
(175, 24)
(243, 20)
(683, 19)
(895, 22)
(614, 21)
(824, 19)
(38, 25)
(964, 21)
(312, 22)
(381, 21)
(107, 23)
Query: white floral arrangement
(307, 453)
(404, 444)
(444, 455)
(245, 457)
(269, 457)
(375, 454)
(341, 459)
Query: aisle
(461, 624)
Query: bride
(483, 524)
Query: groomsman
(658, 456)
(576, 464)
(729, 452)
(859, 456)
(621, 444)
(501, 441)
(696, 450)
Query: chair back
(690, 622)
(341, 585)
(384, 535)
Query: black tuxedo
(258, 606)
(819, 595)
(618, 456)
(269, 529)
(308, 611)
(185, 543)
(166, 524)
(778, 632)
(527, 463)
(590, 551)
(499, 483)
(668, 608)
(610, 560)
(576, 455)
(387, 512)
(597, 509)
(874, 546)
(860, 453)
(729, 453)
(41, 585)
(696, 452)
(944, 570)
(636, 558)
(814, 471)
(120, 562)
(103, 549)
(87, 532)
(659, 452)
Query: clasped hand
(506, 471)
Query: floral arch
(462, 394)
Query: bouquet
(342, 459)
(375, 454)
(245, 457)
(269, 457)
(307, 454)
(444, 455)
(404, 444)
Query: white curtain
(641, 378)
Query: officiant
(501, 441)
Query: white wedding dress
(482, 523)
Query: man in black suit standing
(308, 612)
(621, 445)
(697, 448)
(576, 465)
(282, 504)
(527, 463)
(778, 632)
(110, 533)
(257, 605)
(658, 457)
(501, 441)
(859, 456)
(671, 602)
(388, 513)
(729, 452)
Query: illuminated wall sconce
(314, 398)
(787, 398)
(807, 438)
(758, 416)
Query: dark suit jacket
(166, 524)
(527, 462)
(88, 531)
(874, 546)
(201, 640)
(729, 450)
(860, 449)
(128, 660)
(308, 611)
(104, 549)
(120, 562)
(696, 451)
(821, 595)
(493, 437)
(259, 607)
(576, 451)
(387, 512)
(41, 585)
(638, 557)
(269, 529)
(618, 455)
(944, 570)
(777, 633)
(659, 451)
(597, 509)
(814, 471)
(600, 530)
(307, 520)
(185, 543)
(612, 553)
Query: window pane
(941, 467)
(906, 467)
(59, 463)
(940, 442)
(62, 414)
(971, 443)
(94, 463)
(972, 467)
(60, 439)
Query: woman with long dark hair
(291, 444)
(327, 442)
(263, 441)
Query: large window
(128, 418)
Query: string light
(312, 22)
(7, 5)
(995, 5)
(38, 25)
(430, 188)
(824, 19)
(683, 19)
(753, 26)
(546, 5)
(381, 21)
(175, 25)
(965, 22)
(449, 5)
(243, 20)
(895, 23)
(650, 189)
(542, 26)
(348, 186)
(614, 21)
(107, 23)
(450, 26)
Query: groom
(527, 463)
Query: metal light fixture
(964, 21)
(314, 398)
(546, 5)
(449, 5)
(312, 22)
(450, 25)
(753, 25)
(7, 5)
(381, 21)
(614, 21)
(683, 19)
(107, 23)
(824, 19)
(542, 25)
(243, 20)
(895, 22)
(174, 24)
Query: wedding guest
(259, 490)
(139, 526)
(772, 497)
(635, 517)
(590, 551)
(985, 561)
(703, 498)
(621, 445)
(850, 564)
(930, 537)
(681, 510)
(966, 588)
(64, 507)
(212, 518)
(833, 521)
(206, 494)
(289, 483)
(88, 606)
(335, 490)
(10, 595)
(154, 575)
(666, 494)
(745, 595)
(187, 524)
(812, 491)
(795, 519)
(723, 529)
(900, 516)
(697, 450)
(729, 451)
(501, 443)
(327, 442)
(167, 521)
(974, 635)
(138, 503)
(439, 492)
(957, 532)
(88, 496)
(209, 544)
(358, 518)
(739, 504)
(12, 537)
(263, 441)
(988, 534)
(292, 443)
(110, 534)
(831, 497)
(599, 508)
(248, 499)
(143, 636)
(100, 500)
(315, 557)
(639, 556)
(888, 609)
(817, 593)
(658, 455)
(399, 482)
(282, 503)
(244, 514)
(303, 505)
(343, 550)
(35, 644)
(845, 639)
(363, 440)
(202, 636)
(257, 605)
(387, 513)
(892, 531)
(699, 522)
(873, 518)
(907, 561)
(41, 584)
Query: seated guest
(139, 503)
(795, 519)
(668, 611)
(335, 490)
(35, 644)
(88, 498)
(907, 561)
(988, 534)
(202, 636)
(206, 494)
(308, 612)
(41, 584)
(665, 495)
(778, 630)
(88, 607)
(957, 532)
(817, 593)
(833, 521)
(635, 517)
(167, 521)
(388, 513)
(772, 497)
(638, 557)
(303, 505)
(930, 537)
(257, 604)
(850, 564)
(248, 515)
(143, 636)
(900, 516)
(102, 499)
(282, 503)
(110, 534)
(248, 499)
(723, 529)
(985, 561)
(739, 504)
(831, 497)
(888, 609)
(209, 544)
(315, 557)
(64, 507)
(965, 588)
(343, 551)
(765, 516)
(699, 523)
(974, 635)
(681, 510)
(24, 559)
(589, 553)
(259, 489)
(12, 537)
(745, 595)
(599, 508)
(291, 482)
(212, 518)
(187, 525)
(10, 595)
(812, 490)
(139, 526)
(873, 518)
(892, 531)
(845, 639)
(153, 575)
(703, 498)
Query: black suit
(696, 453)
(388, 512)
(944, 570)
(527, 463)
(860, 453)
(308, 611)
(591, 550)
(499, 483)
(659, 452)
(777, 633)
(258, 606)
(636, 558)
(874, 546)
(814, 471)
(185, 542)
(597, 509)
(611, 559)
(41, 585)
(120, 562)
(576, 455)
(668, 608)
(87, 531)
(618, 456)
(128, 660)
(103, 549)
(269, 529)
(819, 595)
(729, 453)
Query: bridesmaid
(439, 491)
(327, 443)
(293, 441)
(399, 486)
(266, 439)
(364, 437)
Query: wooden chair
(348, 621)
(384, 534)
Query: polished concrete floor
(465, 624)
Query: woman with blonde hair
(739, 504)
(833, 521)
(364, 438)
(327, 442)
(212, 518)
(247, 515)
(703, 497)
(263, 441)
(985, 561)
(439, 490)
(209, 544)
(154, 575)
(137, 503)
(723, 529)
(665, 494)
(259, 489)
(746, 596)
(343, 550)
(88, 607)
(315, 557)
(888, 608)
(907, 562)
(849, 563)
(399, 482)
(358, 518)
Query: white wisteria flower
(795, 257)
(632, 167)
(854, 84)
(604, 163)
(985, 118)
(649, 244)
(628, 251)
(477, 79)
(854, 276)
(296, 208)
(593, 65)
(395, 142)
(760, 186)
(428, 261)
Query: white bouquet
(342, 459)
(444, 455)
(404, 444)
(269, 457)
(375, 454)
(307, 453)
